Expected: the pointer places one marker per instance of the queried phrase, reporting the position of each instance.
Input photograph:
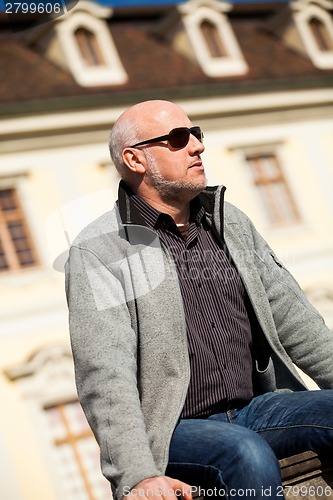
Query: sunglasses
(177, 137)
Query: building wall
(67, 186)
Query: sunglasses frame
(196, 131)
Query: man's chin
(182, 191)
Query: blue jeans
(235, 454)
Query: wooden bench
(304, 476)
(308, 476)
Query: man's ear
(135, 160)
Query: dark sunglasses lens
(178, 137)
(196, 131)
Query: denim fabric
(235, 454)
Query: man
(185, 327)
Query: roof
(154, 69)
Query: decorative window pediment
(212, 38)
(88, 46)
(47, 376)
(314, 22)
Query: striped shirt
(216, 313)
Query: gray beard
(181, 190)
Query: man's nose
(196, 144)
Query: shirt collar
(149, 213)
(157, 219)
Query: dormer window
(88, 46)
(212, 38)
(315, 26)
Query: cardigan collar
(130, 214)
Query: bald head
(135, 124)
(150, 111)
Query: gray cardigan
(128, 332)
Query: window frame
(258, 208)
(6, 241)
(262, 181)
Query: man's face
(174, 173)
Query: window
(273, 189)
(89, 47)
(77, 453)
(16, 248)
(321, 34)
(213, 39)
